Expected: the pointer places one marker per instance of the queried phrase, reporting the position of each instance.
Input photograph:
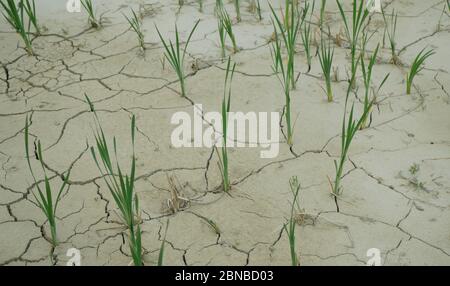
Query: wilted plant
(45, 200)
(14, 16)
(224, 17)
(390, 30)
(238, 10)
(30, 9)
(367, 76)
(349, 130)
(326, 54)
(284, 76)
(223, 158)
(174, 55)
(416, 67)
(291, 223)
(359, 16)
(135, 24)
(306, 33)
(89, 8)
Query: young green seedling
(306, 34)
(14, 16)
(174, 55)
(89, 8)
(367, 77)
(135, 24)
(223, 158)
(359, 16)
(291, 223)
(238, 10)
(30, 9)
(224, 17)
(416, 67)
(222, 36)
(349, 130)
(120, 185)
(284, 76)
(289, 35)
(326, 54)
(322, 13)
(162, 248)
(390, 30)
(45, 200)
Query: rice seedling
(322, 13)
(238, 10)
(222, 36)
(89, 8)
(45, 200)
(326, 54)
(349, 129)
(284, 76)
(224, 17)
(390, 30)
(359, 16)
(416, 67)
(223, 158)
(175, 57)
(367, 77)
(289, 35)
(306, 34)
(291, 223)
(162, 248)
(14, 16)
(135, 239)
(30, 9)
(135, 24)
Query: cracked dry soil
(383, 205)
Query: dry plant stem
(45, 200)
(416, 67)
(174, 55)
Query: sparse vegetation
(416, 67)
(390, 30)
(14, 15)
(135, 24)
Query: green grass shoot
(326, 54)
(30, 9)
(174, 55)
(291, 223)
(227, 24)
(14, 15)
(222, 36)
(89, 8)
(306, 34)
(226, 105)
(135, 24)
(390, 30)
(162, 248)
(416, 67)
(238, 10)
(45, 200)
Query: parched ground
(385, 203)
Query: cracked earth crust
(384, 205)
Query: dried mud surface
(383, 205)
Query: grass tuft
(326, 54)
(291, 223)
(416, 67)
(226, 105)
(135, 24)
(14, 16)
(89, 8)
(175, 57)
(45, 200)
